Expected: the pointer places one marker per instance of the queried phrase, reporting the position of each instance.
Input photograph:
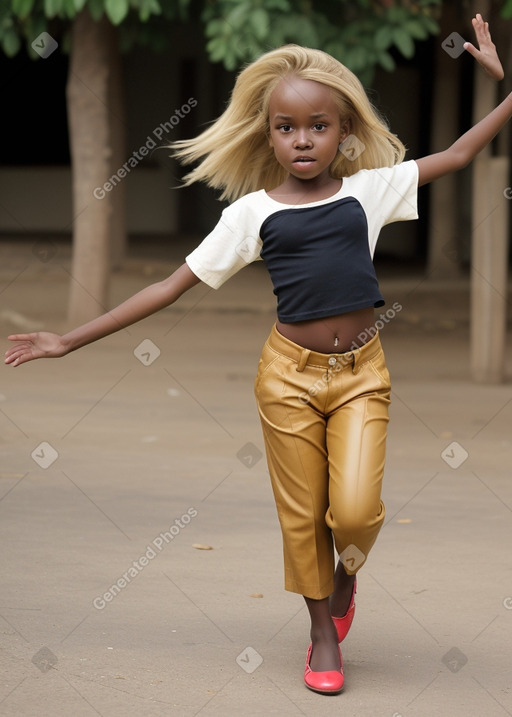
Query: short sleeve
(399, 191)
(393, 196)
(230, 246)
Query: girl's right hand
(28, 347)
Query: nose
(302, 139)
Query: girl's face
(305, 127)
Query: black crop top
(319, 260)
(318, 255)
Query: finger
(480, 34)
(469, 47)
(15, 349)
(21, 337)
(481, 29)
(13, 360)
(19, 357)
(479, 22)
(12, 355)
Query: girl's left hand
(486, 56)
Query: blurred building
(174, 95)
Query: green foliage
(140, 21)
(506, 11)
(15, 26)
(363, 34)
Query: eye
(284, 128)
(319, 126)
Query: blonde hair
(235, 152)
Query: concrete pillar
(489, 264)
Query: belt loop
(301, 364)
(356, 355)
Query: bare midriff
(334, 334)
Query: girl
(313, 174)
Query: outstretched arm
(461, 152)
(43, 344)
(467, 147)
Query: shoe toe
(329, 682)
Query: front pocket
(378, 365)
(267, 360)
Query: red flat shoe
(329, 682)
(342, 624)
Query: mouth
(303, 163)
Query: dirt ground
(123, 461)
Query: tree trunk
(88, 102)
(443, 240)
(117, 116)
(489, 242)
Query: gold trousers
(324, 419)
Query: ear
(345, 130)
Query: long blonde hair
(235, 152)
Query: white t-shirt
(348, 223)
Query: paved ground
(119, 459)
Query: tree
(363, 34)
